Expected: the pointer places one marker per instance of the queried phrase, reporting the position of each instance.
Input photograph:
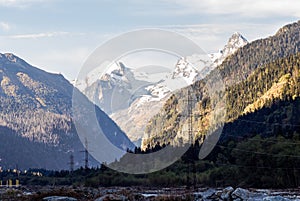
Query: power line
(255, 152)
(262, 153)
(258, 167)
(262, 140)
(260, 122)
(86, 154)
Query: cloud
(58, 51)
(212, 37)
(39, 35)
(19, 3)
(247, 8)
(5, 26)
(67, 61)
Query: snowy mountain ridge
(235, 42)
(127, 94)
(195, 67)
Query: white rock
(208, 193)
(59, 198)
(240, 193)
(226, 193)
(276, 198)
(112, 197)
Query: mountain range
(37, 126)
(256, 77)
(41, 128)
(126, 94)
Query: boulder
(226, 193)
(276, 198)
(112, 197)
(207, 194)
(240, 193)
(59, 198)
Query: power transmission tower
(190, 102)
(86, 154)
(191, 162)
(71, 163)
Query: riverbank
(68, 193)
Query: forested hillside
(37, 124)
(256, 76)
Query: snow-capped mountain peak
(127, 93)
(118, 69)
(195, 67)
(235, 42)
(184, 70)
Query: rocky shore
(66, 193)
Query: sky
(58, 36)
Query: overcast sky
(58, 35)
